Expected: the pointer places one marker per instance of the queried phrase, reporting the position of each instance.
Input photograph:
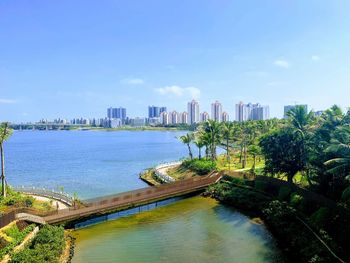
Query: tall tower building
(204, 116)
(155, 111)
(245, 112)
(225, 117)
(193, 112)
(184, 118)
(216, 111)
(240, 111)
(174, 117)
(164, 118)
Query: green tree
(339, 165)
(212, 128)
(200, 144)
(5, 133)
(187, 139)
(282, 151)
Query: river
(90, 164)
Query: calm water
(192, 230)
(87, 162)
(98, 163)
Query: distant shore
(124, 128)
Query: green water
(192, 230)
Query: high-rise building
(204, 116)
(117, 113)
(260, 112)
(287, 108)
(174, 117)
(245, 112)
(225, 117)
(184, 118)
(193, 112)
(216, 111)
(164, 118)
(155, 111)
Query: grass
(16, 199)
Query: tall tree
(212, 128)
(187, 139)
(282, 152)
(5, 133)
(339, 165)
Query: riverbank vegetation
(47, 246)
(12, 235)
(308, 157)
(14, 200)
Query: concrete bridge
(114, 203)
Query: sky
(66, 59)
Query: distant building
(216, 111)
(115, 123)
(204, 116)
(245, 112)
(184, 118)
(260, 112)
(193, 112)
(155, 111)
(117, 113)
(153, 121)
(164, 118)
(225, 117)
(138, 122)
(174, 118)
(287, 108)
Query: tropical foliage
(303, 147)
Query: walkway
(112, 203)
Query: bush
(199, 166)
(261, 186)
(295, 199)
(47, 246)
(28, 201)
(321, 217)
(284, 193)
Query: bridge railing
(60, 196)
(137, 196)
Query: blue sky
(76, 58)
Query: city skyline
(128, 54)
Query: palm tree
(340, 148)
(187, 139)
(5, 133)
(227, 132)
(213, 129)
(200, 144)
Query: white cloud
(315, 58)
(178, 91)
(281, 63)
(133, 81)
(7, 101)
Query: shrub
(47, 246)
(261, 186)
(28, 201)
(295, 199)
(284, 193)
(199, 166)
(321, 217)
